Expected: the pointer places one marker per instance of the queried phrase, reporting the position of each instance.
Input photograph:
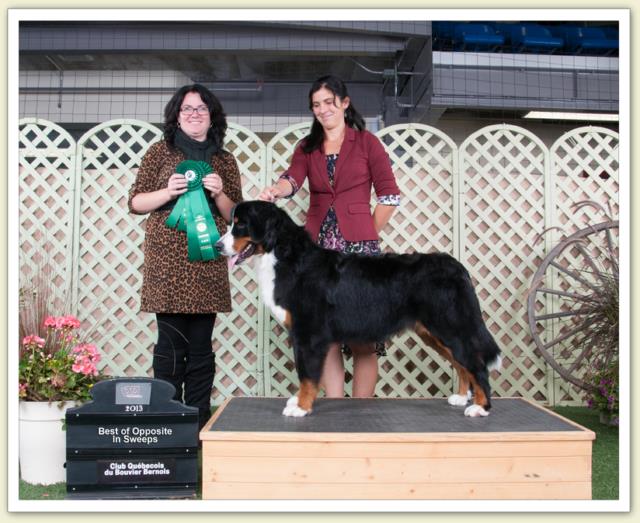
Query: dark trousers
(183, 356)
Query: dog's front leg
(309, 359)
(301, 405)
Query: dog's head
(254, 229)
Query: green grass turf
(605, 453)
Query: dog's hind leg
(481, 398)
(464, 394)
(484, 354)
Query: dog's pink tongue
(231, 261)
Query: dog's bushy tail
(492, 353)
(495, 364)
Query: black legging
(183, 356)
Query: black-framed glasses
(188, 110)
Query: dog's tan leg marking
(287, 320)
(463, 379)
(479, 397)
(307, 394)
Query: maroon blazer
(363, 162)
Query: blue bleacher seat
(503, 29)
(586, 40)
(534, 38)
(476, 37)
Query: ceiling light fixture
(548, 115)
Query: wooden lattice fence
(493, 202)
(503, 210)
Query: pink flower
(88, 350)
(50, 321)
(84, 366)
(62, 322)
(32, 339)
(86, 357)
(70, 321)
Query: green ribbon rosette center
(191, 213)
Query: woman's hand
(281, 189)
(177, 185)
(270, 194)
(213, 183)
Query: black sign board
(132, 441)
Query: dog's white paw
(474, 411)
(295, 412)
(457, 400)
(292, 409)
(292, 401)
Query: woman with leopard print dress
(185, 295)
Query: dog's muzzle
(226, 248)
(221, 245)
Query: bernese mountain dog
(323, 297)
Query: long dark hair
(218, 127)
(352, 117)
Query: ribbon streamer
(191, 213)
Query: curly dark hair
(218, 128)
(352, 117)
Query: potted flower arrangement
(57, 367)
(56, 371)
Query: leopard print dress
(170, 282)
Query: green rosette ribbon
(191, 213)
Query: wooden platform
(393, 449)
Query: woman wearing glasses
(185, 295)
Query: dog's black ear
(264, 222)
(271, 227)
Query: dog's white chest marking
(266, 278)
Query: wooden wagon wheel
(567, 293)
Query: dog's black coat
(335, 297)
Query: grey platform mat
(377, 415)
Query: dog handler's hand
(270, 194)
(177, 185)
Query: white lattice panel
(237, 337)
(46, 188)
(584, 166)
(281, 377)
(109, 245)
(279, 152)
(502, 211)
(424, 160)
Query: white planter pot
(43, 441)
